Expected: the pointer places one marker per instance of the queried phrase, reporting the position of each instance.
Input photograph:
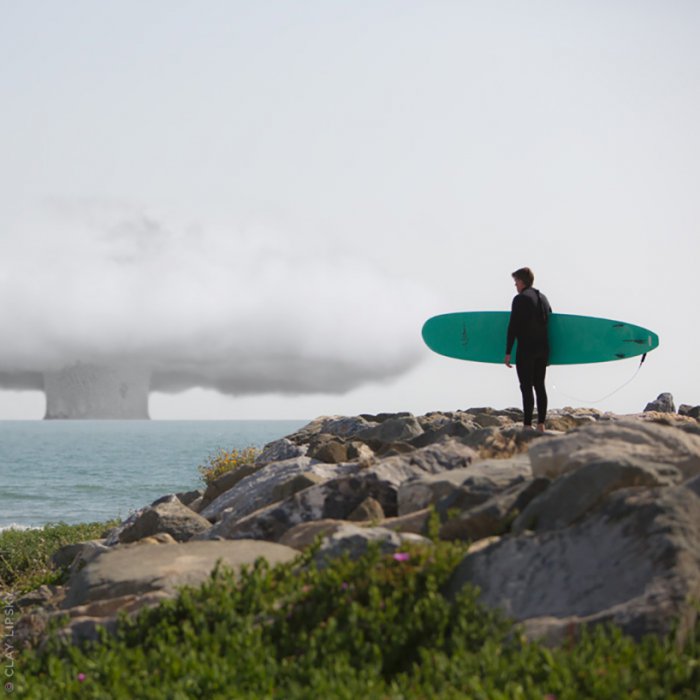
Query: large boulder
(279, 451)
(304, 535)
(170, 517)
(576, 493)
(662, 404)
(369, 510)
(440, 426)
(635, 561)
(144, 568)
(434, 459)
(690, 411)
(483, 478)
(614, 440)
(265, 485)
(225, 482)
(400, 429)
(494, 516)
(501, 443)
(339, 426)
(354, 541)
(75, 555)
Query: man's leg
(525, 369)
(539, 372)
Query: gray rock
(45, 596)
(87, 629)
(483, 477)
(634, 562)
(576, 493)
(417, 522)
(383, 417)
(197, 505)
(488, 420)
(226, 481)
(400, 429)
(568, 418)
(434, 421)
(294, 485)
(370, 509)
(187, 498)
(693, 485)
(614, 440)
(168, 498)
(279, 451)
(443, 427)
(260, 489)
(75, 556)
(346, 426)
(433, 459)
(170, 517)
(690, 411)
(329, 449)
(354, 541)
(663, 404)
(304, 535)
(493, 517)
(140, 568)
(335, 499)
(340, 426)
(500, 443)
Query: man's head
(523, 278)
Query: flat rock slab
(144, 568)
(484, 477)
(576, 493)
(614, 440)
(634, 562)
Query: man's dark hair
(525, 275)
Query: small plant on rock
(225, 461)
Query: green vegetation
(378, 627)
(25, 554)
(225, 461)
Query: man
(528, 325)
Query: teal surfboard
(481, 336)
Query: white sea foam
(17, 526)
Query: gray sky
(263, 189)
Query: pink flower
(401, 556)
(81, 677)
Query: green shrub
(225, 461)
(25, 555)
(378, 627)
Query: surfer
(529, 317)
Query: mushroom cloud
(109, 302)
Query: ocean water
(88, 471)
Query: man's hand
(507, 361)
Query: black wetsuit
(528, 325)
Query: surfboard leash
(607, 396)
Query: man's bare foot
(540, 427)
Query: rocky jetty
(595, 520)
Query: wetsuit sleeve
(515, 325)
